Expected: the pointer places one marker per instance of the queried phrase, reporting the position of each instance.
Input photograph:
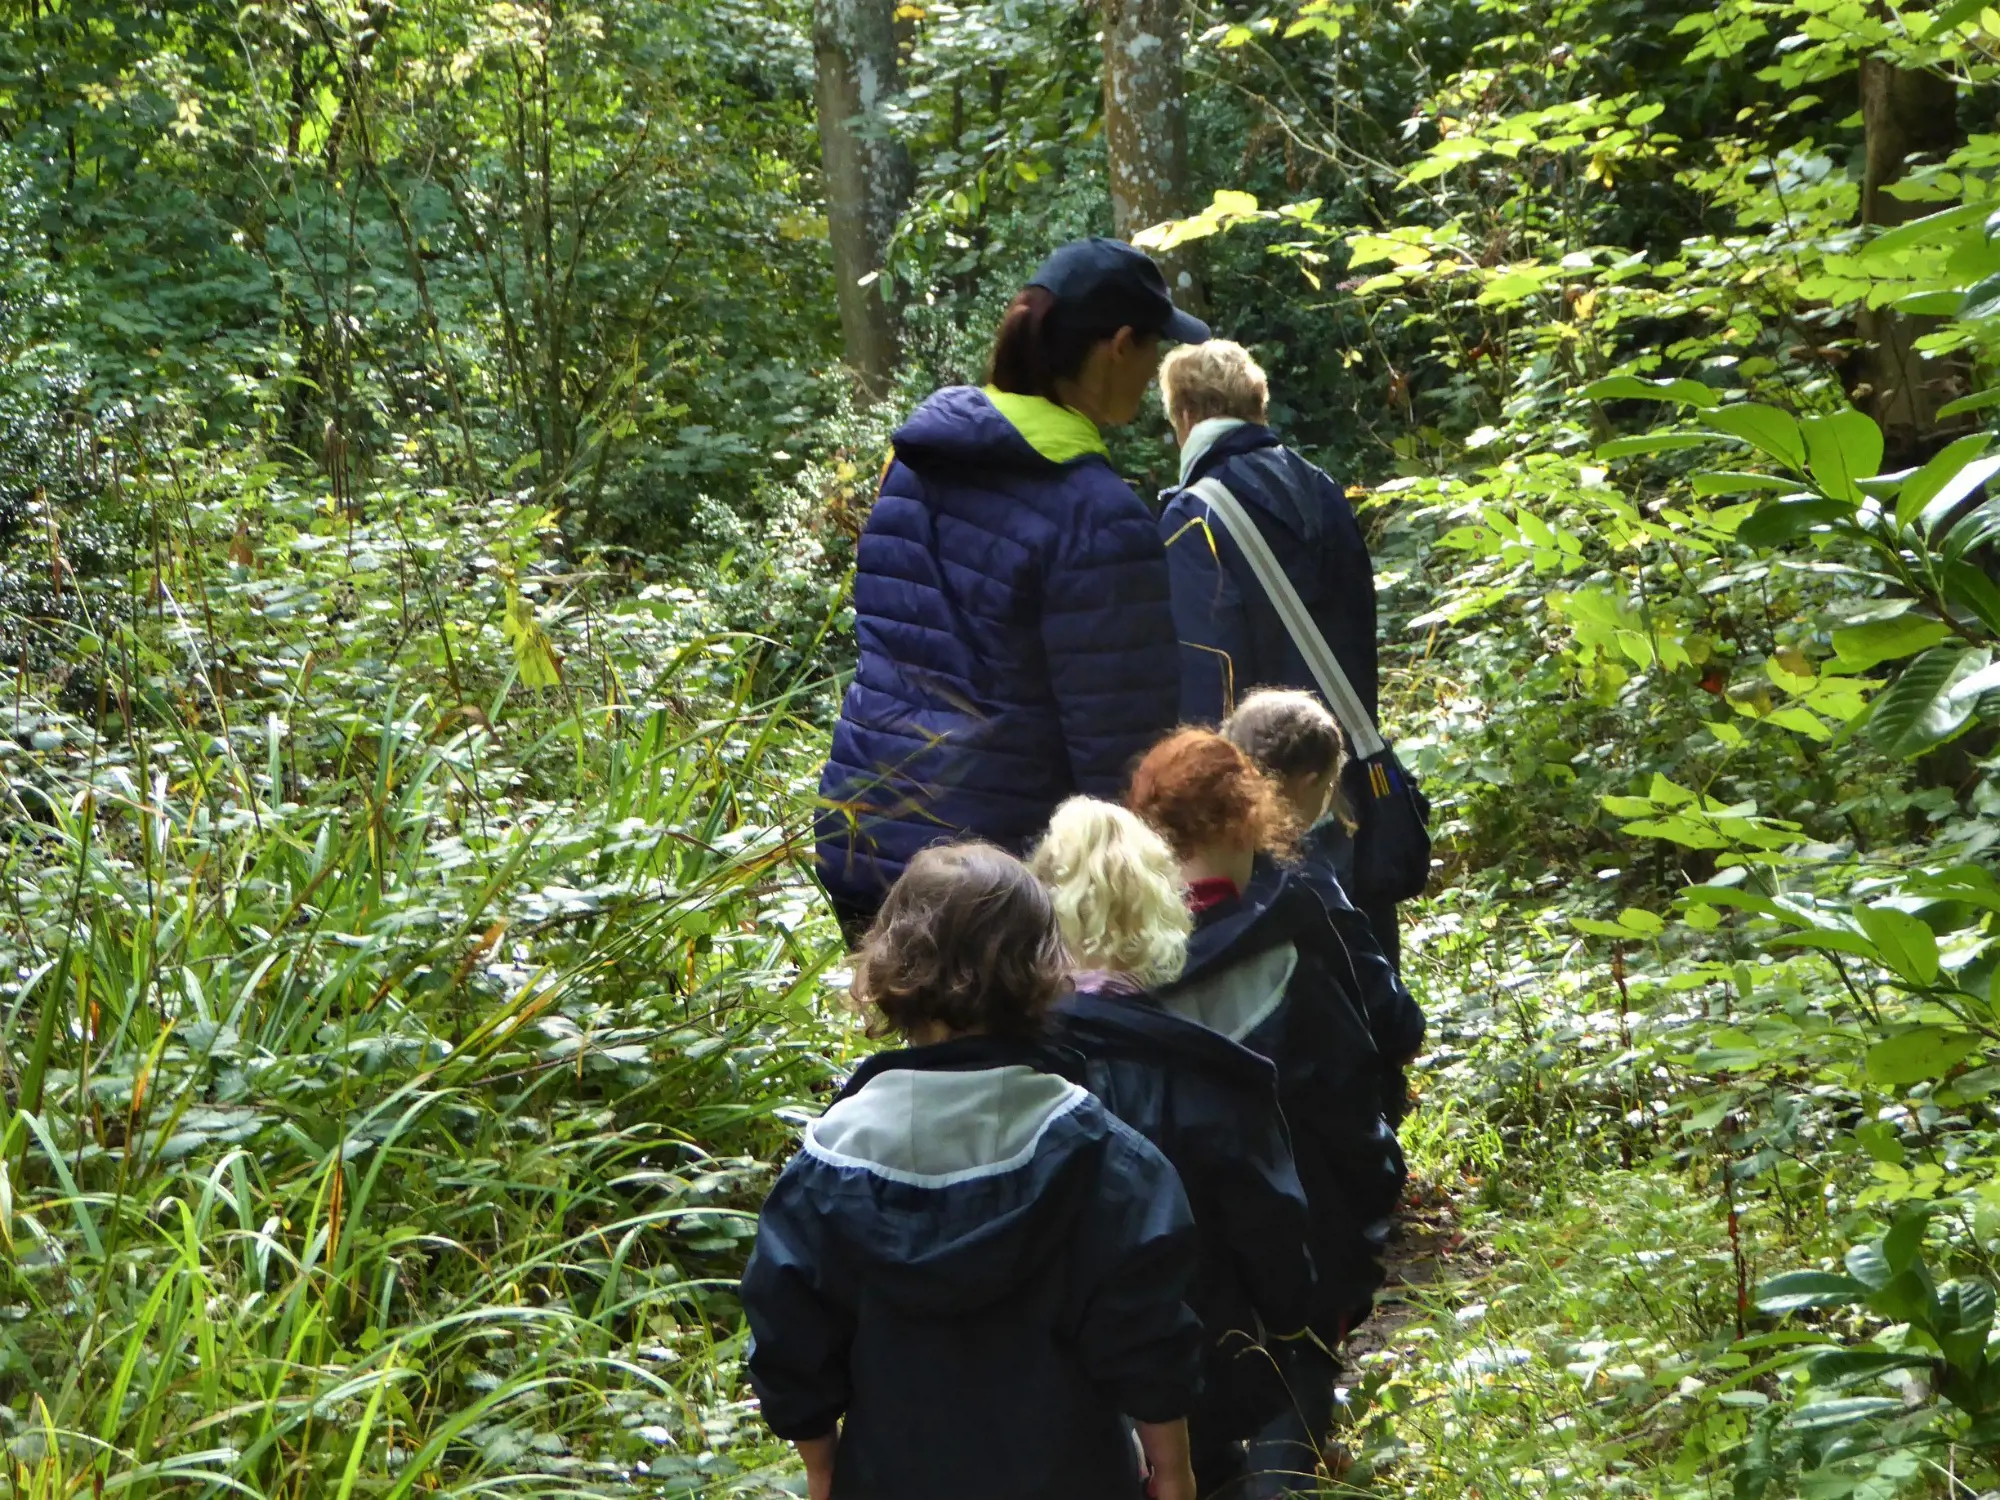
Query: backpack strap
(1340, 695)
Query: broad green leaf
(1967, 586)
(1964, 1318)
(1865, 646)
(1844, 1411)
(1906, 944)
(1920, 709)
(1794, 1291)
(1842, 450)
(1922, 487)
(1918, 1056)
(1783, 521)
(1632, 388)
(1973, 403)
(1651, 442)
(1929, 232)
(1764, 428)
(1938, 507)
(1730, 482)
(1981, 300)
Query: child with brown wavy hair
(966, 1232)
(1267, 969)
(1296, 739)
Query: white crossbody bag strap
(1362, 738)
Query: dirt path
(1427, 1240)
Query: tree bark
(1145, 127)
(1904, 113)
(868, 173)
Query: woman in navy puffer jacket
(1016, 638)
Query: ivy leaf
(1843, 449)
(1764, 428)
(1920, 1055)
(1920, 709)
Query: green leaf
(1783, 521)
(1906, 944)
(1966, 404)
(1982, 300)
(1795, 1291)
(1842, 1412)
(1632, 388)
(1919, 1055)
(1764, 428)
(1920, 709)
(1843, 449)
(1931, 231)
(1865, 646)
(1922, 487)
(1966, 585)
(1964, 1318)
(1940, 504)
(1652, 442)
(1731, 482)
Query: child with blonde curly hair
(1209, 1104)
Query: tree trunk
(1145, 126)
(868, 173)
(1904, 113)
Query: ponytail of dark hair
(1037, 346)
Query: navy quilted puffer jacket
(1016, 639)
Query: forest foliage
(427, 481)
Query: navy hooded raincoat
(1211, 1106)
(1016, 639)
(974, 1268)
(1232, 639)
(1266, 970)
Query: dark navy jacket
(1395, 1020)
(1232, 639)
(1211, 1107)
(1266, 970)
(978, 1267)
(1016, 639)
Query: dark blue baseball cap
(1108, 285)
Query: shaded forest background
(432, 439)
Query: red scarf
(1210, 890)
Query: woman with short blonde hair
(1218, 379)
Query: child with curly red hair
(1266, 968)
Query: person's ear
(1124, 342)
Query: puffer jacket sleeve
(1210, 620)
(799, 1335)
(1108, 637)
(1138, 1249)
(1265, 1219)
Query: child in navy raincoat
(971, 1280)
(1264, 968)
(1294, 737)
(1209, 1104)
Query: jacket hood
(963, 425)
(974, 1165)
(1138, 1025)
(1261, 473)
(1242, 953)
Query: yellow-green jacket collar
(1058, 433)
